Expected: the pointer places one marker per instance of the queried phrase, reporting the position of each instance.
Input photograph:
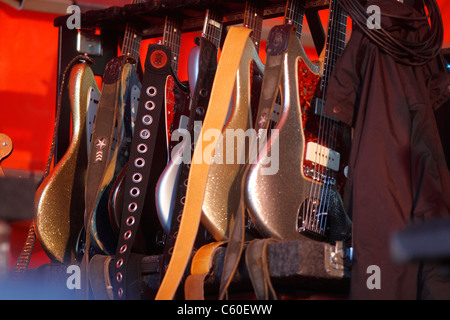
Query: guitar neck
(212, 27)
(131, 42)
(172, 38)
(132, 39)
(294, 12)
(253, 19)
(337, 27)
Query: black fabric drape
(397, 170)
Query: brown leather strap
(238, 51)
(256, 262)
(234, 251)
(99, 279)
(200, 267)
(194, 287)
(102, 142)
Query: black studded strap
(142, 154)
(199, 105)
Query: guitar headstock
(6, 147)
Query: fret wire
(210, 31)
(252, 20)
(335, 43)
(172, 38)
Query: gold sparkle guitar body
(59, 200)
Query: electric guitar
(6, 147)
(267, 115)
(200, 77)
(222, 190)
(311, 150)
(176, 100)
(126, 100)
(59, 199)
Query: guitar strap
(102, 141)
(199, 105)
(100, 226)
(239, 51)
(257, 266)
(271, 81)
(200, 267)
(142, 154)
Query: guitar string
(315, 213)
(330, 126)
(323, 124)
(340, 38)
(310, 207)
(322, 188)
(172, 38)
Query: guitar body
(276, 200)
(59, 200)
(223, 187)
(177, 109)
(102, 235)
(199, 73)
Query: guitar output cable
(407, 52)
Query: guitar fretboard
(131, 42)
(253, 19)
(132, 38)
(295, 10)
(337, 28)
(172, 38)
(212, 28)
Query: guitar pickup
(323, 156)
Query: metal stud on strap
(151, 104)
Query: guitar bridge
(312, 220)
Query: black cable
(403, 51)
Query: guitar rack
(149, 18)
(309, 264)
